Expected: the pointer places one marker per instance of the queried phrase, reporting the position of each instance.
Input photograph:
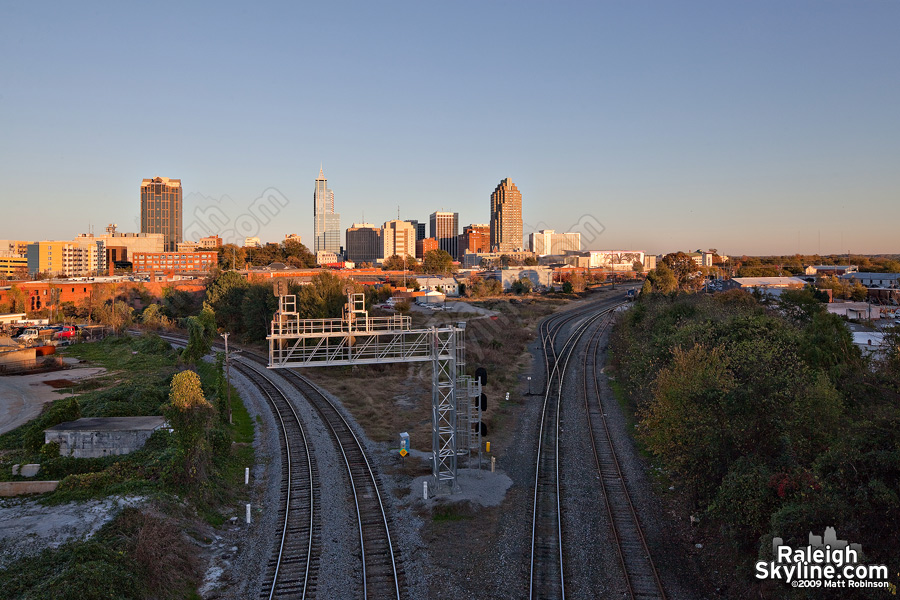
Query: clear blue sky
(751, 127)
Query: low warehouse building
(96, 437)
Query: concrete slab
(24, 396)
(30, 470)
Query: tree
(858, 292)
(323, 298)
(298, 254)
(437, 262)
(688, 274)
(16, 299)
(116, 315)
(530, 262)
(154, 319)
(201, 333)
(637, 267)
(258, 307)
(190, 416)
(523, 285)
(232, 256)
(662, 279)
(225, 295)
(397, 263)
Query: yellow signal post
(487, 447)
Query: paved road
(23, 396)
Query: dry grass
(389, 399)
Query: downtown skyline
(763, 129)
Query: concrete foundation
(19, 488)
(96, 437)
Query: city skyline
(755, 129)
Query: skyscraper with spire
(326, 222)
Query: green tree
(225, 295)
(437, 262)
(637, 267)
(396, 263)
(530, 261)
(662, 279)
(523, 285)
(324, 297)
(297, 254)
(258, 307)
(201, 334)
(190, 416)
(154, 319)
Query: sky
(763, 127)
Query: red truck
(68, 332)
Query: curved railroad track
(547, 574)
(292, 571)
(382, 572)
(641, 576)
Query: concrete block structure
(96, 437)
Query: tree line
(769, 417)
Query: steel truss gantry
(358, 339)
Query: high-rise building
(161, 209)
(547, 241)
(327, 223)
(364, 243)
(420, 229)
(399, 238)
(445, 229)
(76, 258)
(506, 218)
(474, 238)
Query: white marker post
(493, 463)
(425, 490)
(247, 476)
(248, 514)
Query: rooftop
(111, 424)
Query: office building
(399, 238)
(506, 218)
(174, 262)
(76, 258)
(364, 243)
(13, 264)
(161, 209)
(548, 242)
(445, 229)
(19, 247)
(419, 228)
(474, 238)
(120, 247)
(424, 246)
(326, 222)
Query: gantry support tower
(358, 339)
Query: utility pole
(227, 377)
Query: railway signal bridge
(359, 339)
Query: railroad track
(641, 576)
(292, 571)
(547, 576)
(382, 572)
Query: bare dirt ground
(24, 396)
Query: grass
(140, 557)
